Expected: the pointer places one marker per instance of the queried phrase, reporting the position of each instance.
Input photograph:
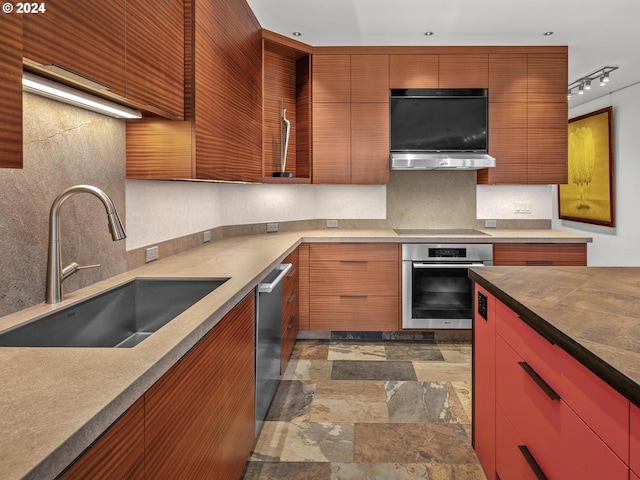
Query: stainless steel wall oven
(436, 291)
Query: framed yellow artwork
(588, 196)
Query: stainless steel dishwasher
(268, 339)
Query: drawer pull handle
(538, 331)
(291, 273)
(354, 296)
(353, 261)
(539, 262)
(291, 297)
(537, 471)
(550, 392)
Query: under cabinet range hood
(440, 161)
(439, 129)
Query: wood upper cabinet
(155, 56)
(540, 254)
(528, 113)
(463, 71)
(351, 119)
(370, 79)
(413, 71)
(331, 79)
(199, 419)
(11, 92)
(117, 454)
(86, 40)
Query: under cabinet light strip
(47, 88)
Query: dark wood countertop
(591, 312)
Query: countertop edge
(603, 370)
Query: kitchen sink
(121, 317)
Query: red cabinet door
(511, 463)
(634, 451)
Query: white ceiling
(598, 32)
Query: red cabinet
(551, 414)
(484, 379)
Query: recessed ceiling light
(297, 34)
(428, 34)
(548, 34)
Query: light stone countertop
(54, 402)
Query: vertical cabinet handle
(537, 471)
(550, 392)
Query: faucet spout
(55, 272)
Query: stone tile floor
(371, 410)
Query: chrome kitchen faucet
(55, 273)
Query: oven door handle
(447, 265)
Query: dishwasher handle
(268, 287)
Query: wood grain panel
(370, 143)
(210, 107)
(547, 142)
(116, 454)
(413, 71)
(380, 252)
(212, 18)
(303, 279)
(290, 316)
(548, 78)
(354, 278)
(155, 55)
(463, 71)
(440, 50)
(199, 415)
(539, 254)
(303, 117)
(279, 85)
(53, 39)
(158, 148)
(508, 78)
(370, 78)
(507, 143)
(11, 92)
(335, 313)
(331, 78)
(331, 142)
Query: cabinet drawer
(634, 461)
(604, 409)
(560, 441)
(382, 252)
(540, 254)
(354, 277)
(510, 462)
(358, 313)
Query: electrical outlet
(332, 223)
(490, 224)
(206, 236)
(523, 207)
(151, 254)
(272, 227)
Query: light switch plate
(490, 224)
(206, 236)
(332, 223)
(523, 207)
(272, 227)
(151, 254)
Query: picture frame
(589, 194)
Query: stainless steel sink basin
(121, 317)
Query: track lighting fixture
(584, 83)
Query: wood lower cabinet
(553, 417)
(353, 286)
(540, 254)
(117, 454)
(199, 420)
(11, 92)
(290, 310)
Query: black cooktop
(435, 232)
